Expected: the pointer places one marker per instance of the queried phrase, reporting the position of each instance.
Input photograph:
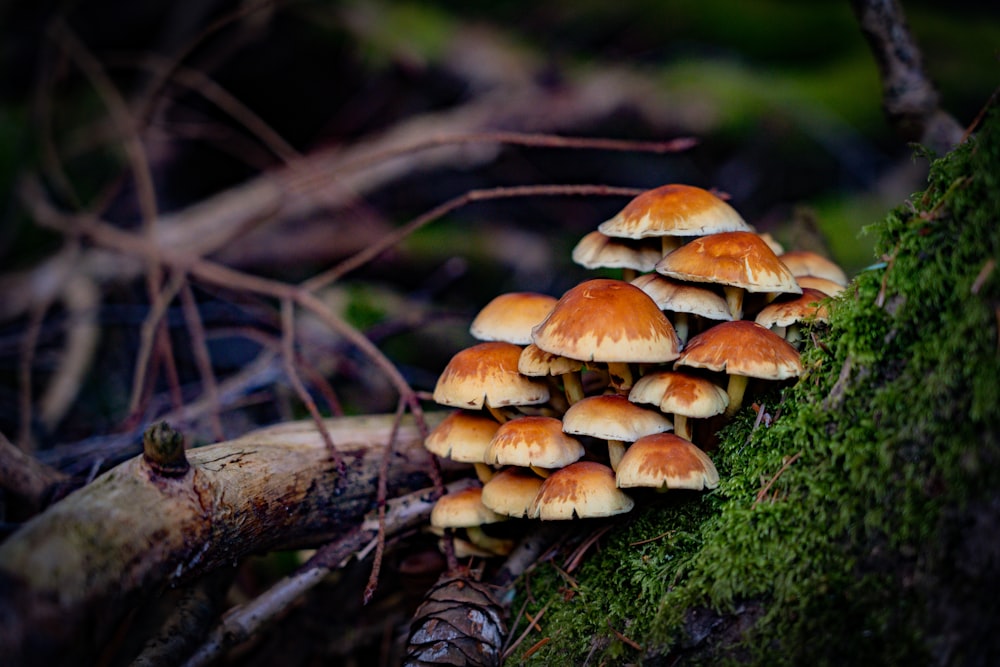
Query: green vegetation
(875, 540)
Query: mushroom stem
(616, 450)
(736, 388)
(621, 376)
(483, 472)
(573, 386)
(541, 472)
(734, 298)
(682, 426)
(793, 333)
(494, 545)
(681, 326)
(628, 275)
(497, 414)
(668, 244)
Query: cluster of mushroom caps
(568, 402)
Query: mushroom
(511, 491)
(583, 489)
(535, 442)
(739, 261)
(464, 436)
(808, 263)
(742, 349)
(783, 317)
(613, 418)
(600, 251)
(486, 374)
(608, 321)
(536, 362)
(666, 461)
(510, 317)
(824, 285)
(465, 509)
(671, 211)
(682, 395)
(682, 299)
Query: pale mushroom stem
(736, 388)
(734, 298)
(682, 426)
(573, 386)
(484, 541)
(681, 326)
(616, 450)
(621, 375)
(793, 334)
(497, 414)
(483, 472)
(628, 275)
(557, 399)
(541, 472)
(668, 244)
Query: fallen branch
(72, 571)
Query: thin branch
(202, 358)
(150, 330)
(380, 499)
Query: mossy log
(72, 571)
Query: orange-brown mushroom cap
(462, 436)
(533, 441)
(607, 321)
(583, 489)
(674, 210)
(742, 348)
(596, 250)
(486, 374)
(511, 317)
(678, 297)
(809, 305)
(808, 263)
(680, 393)
(511, 491)
(664, 460)
(613, 417)
(463, 509)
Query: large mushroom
(486, 375)
(608, 321)
(582, 490)
(741, 349)
(666, 461)
(739, 261)
(672, 211)
(613, 418)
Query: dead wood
(72, 571)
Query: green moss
(875, 541)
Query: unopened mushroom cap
(510, 317)
(584, 489)
(666, 460)
(740, 259)
(462, 436)
(674, 210)
(607, 321)
(463, 509)
(824, 285)
(678, 297)
(487, 374)
(613, 417)
(808, 263)
(809, 305)
(533, 441)
(536, 362)
(597, 250)
(511, 491)
(742, 348)
(680, 394)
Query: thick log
(69, 574)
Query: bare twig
(789, 460)
(202, 358)
(23, 475)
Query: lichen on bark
(863, 525)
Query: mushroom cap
(666, 460)
(510, 317)
(533, 441)
(463, 509)
(678, 297)
(511, 491)
(808, 263)
(536, 362)
(608, 321)
(613, 417)
(597, 250)
(741, 259)
(810, 304)
(673, 210)
(487, 374)
(462, 436)
(680, 394)
(742, 347)
(824, 285)
(584, 489)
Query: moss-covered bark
(863, 525)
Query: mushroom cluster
(568, 401)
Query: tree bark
(70, 573)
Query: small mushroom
(684, 396)
(536, 362)
(808, 263)
(581, 490)
(613, 418)
(464, 436)
(666, 461)
(510, 317)
(783, 317)
(464, 509)
(511, 491)
(824, 285)
(683, 299)
(535, 442)
(599, 251)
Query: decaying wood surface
(70, 572)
